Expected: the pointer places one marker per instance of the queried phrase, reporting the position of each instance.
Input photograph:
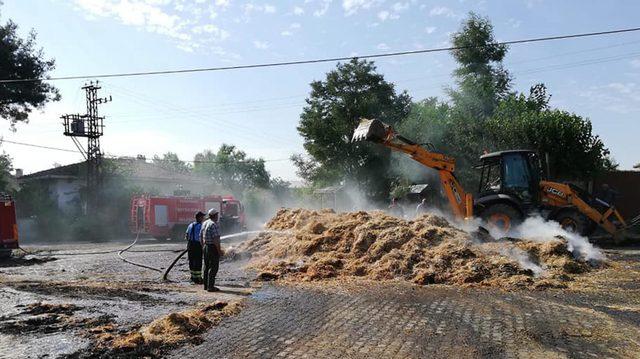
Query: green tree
(480, 77)
(6, 166)
(481, 83)
(485, 115)
(280, 188)
(37, 203)
(400, 188)
(232, 169)
(527, 122)
(313, 172)
(171, 162)
(352, 91)
(428, 123)
(21, 59)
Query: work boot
(212, 287)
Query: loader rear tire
(502, 216)
(573, 221)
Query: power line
(199, 116)
(121, 157)
(39, 146)
(556, 55)
(227, 162)
(321, 60)
(553, 67)
(581, 63)
(160, 160)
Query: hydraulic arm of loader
(376, 131)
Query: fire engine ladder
(135, 221)
(134, 217)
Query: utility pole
(91, 126)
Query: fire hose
(132, 244)
(132, 262)
(166, 272)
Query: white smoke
(522, 258)
(538, 229)
(355, 199)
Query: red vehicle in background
(8, 226)
(168, 216)
(232, 216)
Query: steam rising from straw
(538, 229)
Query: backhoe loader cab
(509, 186)
(515, 173)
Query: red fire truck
(8, 226)
(168, 217)
(232, 219)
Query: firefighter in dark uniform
(210, 239)
(194, 248)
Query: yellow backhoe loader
(511, 187)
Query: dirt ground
(74, 297)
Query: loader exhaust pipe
(370, 130)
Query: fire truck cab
(232, 216)
(8, 226)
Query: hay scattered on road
(428, 250)
(168, 331)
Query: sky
(258, 109)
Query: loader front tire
(502, 217)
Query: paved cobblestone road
(360, 320)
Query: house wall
(67, 193)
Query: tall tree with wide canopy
(528, 122)
(484, 114)
(352, 91)
(480, 77)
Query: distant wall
(27, 230)
(67, 193)
(628, 184)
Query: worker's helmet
(212, 212)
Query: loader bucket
(370, 130)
